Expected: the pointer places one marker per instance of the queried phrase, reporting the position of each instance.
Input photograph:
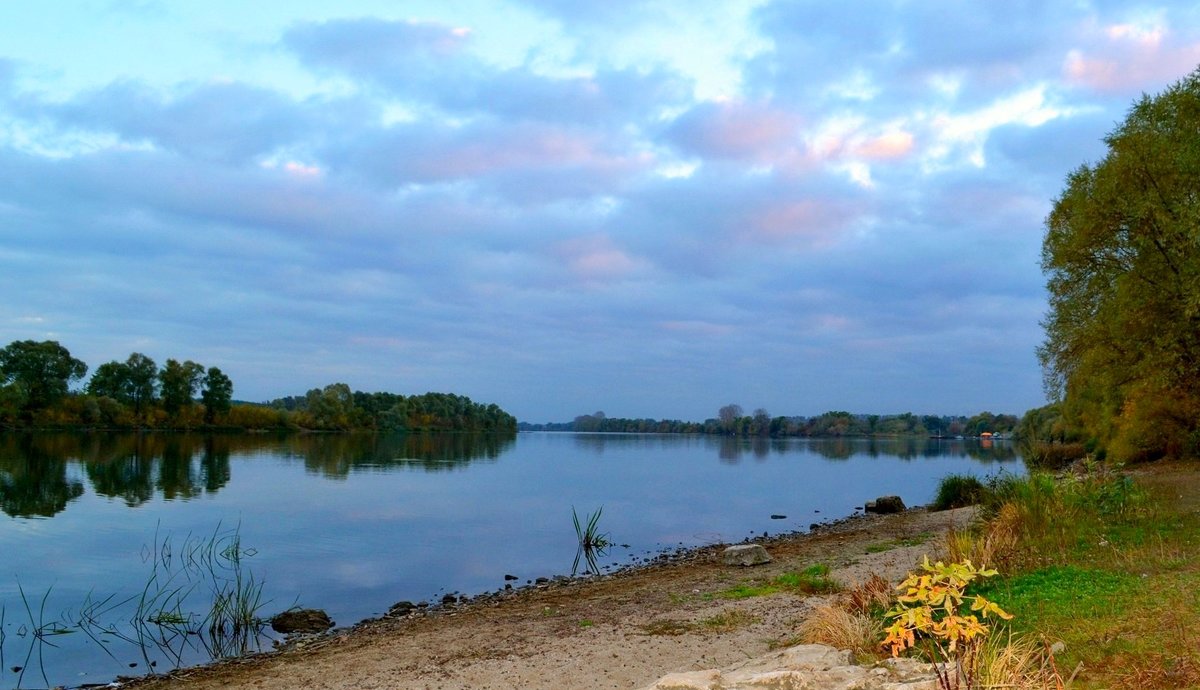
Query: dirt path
(623, 631)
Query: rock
(778, 517)
(449, 599)
(805, 667)
(301, 621)
(746, 554)
(885, 504)
(510, 577)
(402, 608)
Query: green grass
(812, 580)
(1109, 568)
(957, 491)
(884, 546)
(728, 621)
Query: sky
(651, 209)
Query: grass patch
(1102, 564)
(812, 580)
(884, 546)
(669, 628)
(728, 621)
(958, 491)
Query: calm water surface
(352, 524)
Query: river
(101, 531)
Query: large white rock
(805, 667)
(746, 554)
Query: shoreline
(622, 629)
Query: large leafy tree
(143, 381)
(178, 383)
(111, 380)
(41, 371)
(1122, 257)
(216, 395)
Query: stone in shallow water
(301, 621)
(746, 554)
(885, 504)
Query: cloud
(226, 122)
(848, 215)
(431, 65)
(568, 162)
(741, 131)
(1127, 56)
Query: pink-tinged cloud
(890, 146)
(1128, 58)
(596, 259)
(739, 131)
(301, 169)
(808, 222)
(521, 148)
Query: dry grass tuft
(1161, 672)
(842, 629)
(1017, 662)
(874, 594)
(990, 545)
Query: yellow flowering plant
(930, 608)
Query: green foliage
(1111, 570)
(958, 490)
(40, 373)
(1122, 258)
(936, 608)
(143, 381)
(34, 380)
(592, 542)
(1052, 456)
(814, 579)
(179, 383)
(1062, 591)
(216, 394)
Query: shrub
(1052, 456)
(930, 611)
(957, 491)
(837, 627)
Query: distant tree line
(35, 391)
(732, 421)
(336, 407)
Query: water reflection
(336, 456)
(33, 481)
(36, 478)
(733, 449)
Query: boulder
(885, 504)
(301, 621)
(806, 667)
(402, 608)
(746, 554)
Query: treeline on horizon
(35, 381)
(731, 421)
